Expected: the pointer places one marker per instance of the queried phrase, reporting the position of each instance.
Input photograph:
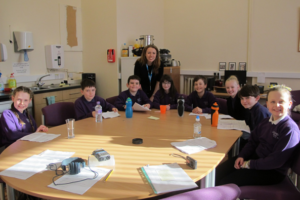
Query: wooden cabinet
(174, 72)
(60, 96)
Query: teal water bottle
(128, 110)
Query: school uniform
(140, 98)
(143, 72)
(166, 100)
(12, 129)
(235, 108)
(205, 102)
(256, 114)
(270, 147)
(84, 108)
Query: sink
(34, 88)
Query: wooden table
(115, 136)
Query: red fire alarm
(111, 56)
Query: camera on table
(101, 155)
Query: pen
(109, 174)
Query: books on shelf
(167, 178)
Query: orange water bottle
(214, 114)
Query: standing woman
(16, 122)
(148, 68)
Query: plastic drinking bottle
(128, 110)
(214, 114)
(98, 109)
(180, 106)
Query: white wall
(42, 19)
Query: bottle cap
(197, 118)
(98, 102)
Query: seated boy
(249, 95)
(134, 93)
(85, 105)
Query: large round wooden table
(115, 136)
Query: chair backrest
(296, 97)
(111, 100)
(56, 114)
(296, 161)
(222, 106)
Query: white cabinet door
(127, 69)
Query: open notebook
(167, 178)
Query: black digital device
(210, 84)
(73, 165)
(241, 75)
(101, 155)
(192, 163)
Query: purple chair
(111, 100)
(285, 190)
(2, 189)
(222, 106)
(223, 192)
(296, 101)
(56, 114)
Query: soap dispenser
(12, 83)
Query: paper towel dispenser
(23, 41)
(3, 52)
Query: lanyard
(149, 75)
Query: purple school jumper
(165, 101)
(205, 102)
(12, 130)
(84, 108)
(140, 97)
(256, 114)
(274, 144)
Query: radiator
(188, 86)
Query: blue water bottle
(128, 110)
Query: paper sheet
(194, 145)
(152, 117)
(138, 107)
(168, 178)
(35, 164)
(82, 186)
(234, 124)
(40, 137)
(201, 115)
(220, 117)
(28, 167)
(112, 114)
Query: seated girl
(200, 101)
(167, 93)
(266, 157)
(16, 122)
(234, 106)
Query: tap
(40, 84)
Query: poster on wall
(70, 28)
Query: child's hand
(115, 109)
(147, 105)
(238, 162)
(42, 128)
(168, 107)
(94, 113)
(197, 110)
(152, 98)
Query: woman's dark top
(141, 71)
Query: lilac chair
(2, 189)
(112, 100)
(56, 114)
(285, 190)
(223, 192)
(222, 106)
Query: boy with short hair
(134, 93)
(85, 105)
(249, 96)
